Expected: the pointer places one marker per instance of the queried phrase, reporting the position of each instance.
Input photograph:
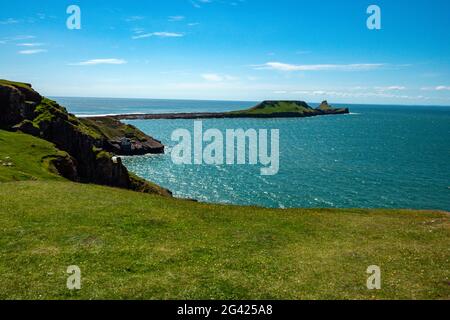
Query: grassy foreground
(129, 245)
(137, 246)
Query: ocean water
(376, 157)
(88, 107)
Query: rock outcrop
(90, 161)
(123, 139)
(17, 102)
(325, 108)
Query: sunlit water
(377, 157)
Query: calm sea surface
(376, 157)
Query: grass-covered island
(64, 201)
(266, 109)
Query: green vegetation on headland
(266, 109)
(289, 109)
(89, 148)
(132, 245)
(115, 132)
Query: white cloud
(176, 18)
(438, 88)
(217, 77)
(391, 88)
(212, 77)
(318, 67)
(30, 44)
(95, 62)
(158, 34)
(34, 51)
(134, 18)
(320, 94)
(196, 3)
(230, 78)
(193, 24)
(9, 21)
(23, 37)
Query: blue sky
(231, 50)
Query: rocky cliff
(90, 160)
(123, 139)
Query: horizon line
(257, 101)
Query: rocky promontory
(123, 139)
(266, 109)
(90, 145)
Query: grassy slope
(279, 107)
(15, 84)
(132, 245)
(28, 158)
(48, 110)
(111, 128)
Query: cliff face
(22, 108)
(17, 102)
(123, 139)
(325, 108)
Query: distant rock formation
(324, 106)
(266, 109)
(90, 161)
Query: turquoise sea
(376, 157)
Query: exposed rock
(21, 108)
(27, 127)
(325, 109)
(11, 106)
(324, 106)
(142, 185)
(65, 166)
(123, 139)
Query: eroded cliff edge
(90, 145)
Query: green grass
(23, 157)
(131, 245)
(111, 128)
(48, 110)
(15, 84)
(275, 107)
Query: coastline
(222, 115)
(66, 193)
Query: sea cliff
(90, 146)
